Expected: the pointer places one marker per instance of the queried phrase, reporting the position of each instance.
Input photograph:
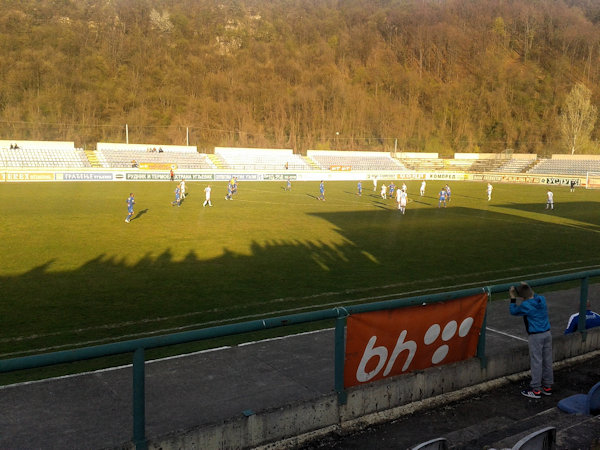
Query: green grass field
(73, 273)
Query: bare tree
(578, 117)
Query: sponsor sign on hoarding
(240, 177)
(382, 344)
(27, 176)
(85, 176)
(150, 176)
(279, 176)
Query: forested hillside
(425, 75)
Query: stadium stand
(577, 167)
(585, 404)
(44, 154)
(260, 159)
(423, 165)
(328, 160)
(515, 165)
(135, 155)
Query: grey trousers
(540, 358)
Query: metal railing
(138, 346)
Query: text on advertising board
(382, 344)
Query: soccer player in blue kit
(322, 191)
(130, 203)
(392, 189)
(177, 197)
(359, 187)
(443, 195)
(448, 192)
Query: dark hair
(524, 290)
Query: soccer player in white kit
(489, 191)
(182, 188)
(401, 198)
(375, 183)
(207, 193)
(422, 191)
(550, 200)
(383, 192)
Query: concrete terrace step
(503, 433)
(570, 428)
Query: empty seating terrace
(127, 155)
(46, 154)
(260, 159)
(577, 167)
(327, 160)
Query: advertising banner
(27, 176)
(279, 176)
(382, 344)
(158, 176)
(84, 176)
(240, 177)
(339, 168)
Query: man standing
(172, 174)
(182, 187)
(422, 190)
(534, 311)
(401, 198)
(442, 198)
(130, 203)
(177, 200)
(322, 191)
(207, 194)
(550, 200)
(489, 191)
(383, 191)
(359, 187)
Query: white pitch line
(506, 334)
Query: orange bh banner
(382, 344)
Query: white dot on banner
(449, 330)
(439, 354)
(465, 327)
(432, 334)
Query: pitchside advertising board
(382, 344)
(149, 175)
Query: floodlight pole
(187, 136)
(126, 134)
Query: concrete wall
(373, 403)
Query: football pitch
(73, 273)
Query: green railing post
(340, 355)
(482, 334)
(139, 400)
(583, 296)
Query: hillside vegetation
(427, 75)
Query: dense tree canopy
(416, 75)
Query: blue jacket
(534, 312)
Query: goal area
(592, 180)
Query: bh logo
(430, 338)
(387, 343)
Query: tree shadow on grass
(109, 297)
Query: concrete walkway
(93, 410)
